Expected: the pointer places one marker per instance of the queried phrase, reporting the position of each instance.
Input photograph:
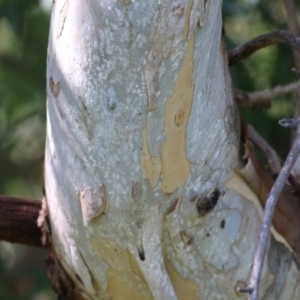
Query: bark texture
(18, 221)
(142, 142)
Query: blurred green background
(24, 26)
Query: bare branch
(268, 152)
(262, 99)
(18, 221)
(253, 287)
(262, 41)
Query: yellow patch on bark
(151, 165)
(175, 166)
(125, 279)
(187, 20)
(184, 288)
(135, 267)
(122, 280)
(119, 290)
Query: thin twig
(262, 99)
(268, 152)
(259, 257)
(262, 41)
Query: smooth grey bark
(142, 129)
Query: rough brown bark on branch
(18, 220)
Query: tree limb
(262, 41)
(262, 99)
(18, 221)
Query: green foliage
(23, 34)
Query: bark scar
(93, 202)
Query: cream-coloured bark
(142, 126)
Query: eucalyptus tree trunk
(142, 143)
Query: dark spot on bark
(208, 234)
(142, 255)
(207, 203)
(222, 224)
(111, 104)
